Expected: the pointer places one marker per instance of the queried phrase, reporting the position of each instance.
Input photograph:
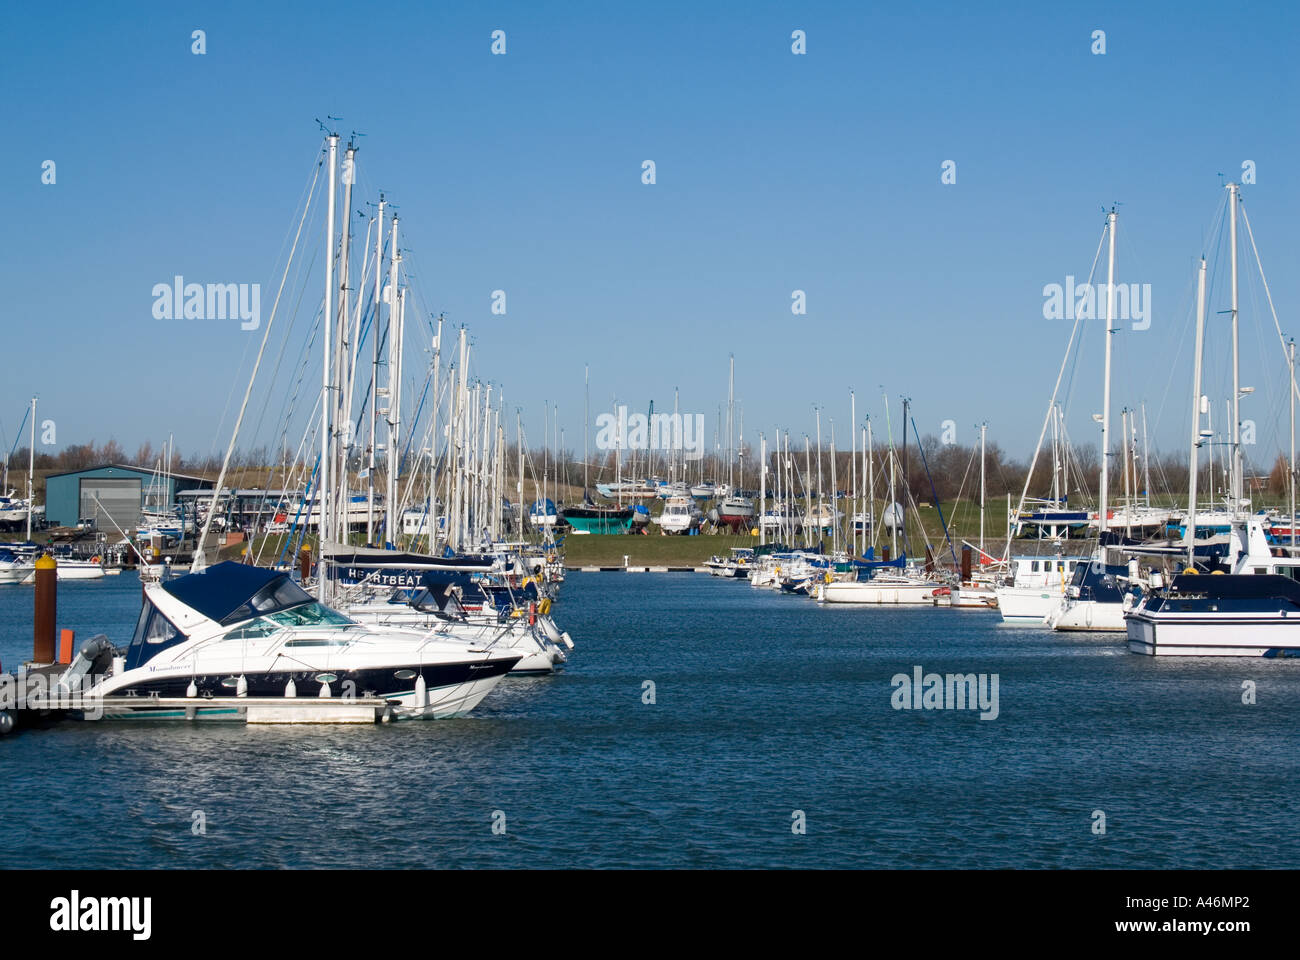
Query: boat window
(311, 615)
(153, 633)
(1260, 570)
(1033, 567)
(318, 642)
(276, 595)
(250, 631)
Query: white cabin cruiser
(1254, 611)
(242, 631)
(680, 515)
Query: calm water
(765, 705)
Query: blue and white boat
(238, 631)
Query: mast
(374, 372)
(324, 495)
(983, 432)
(340, 523)
(31, 471)
(853, 468)
(1146, 458)
(432, 511)
(762, 486)
(731, 427)
(835, 527)
(1104, 498)
(586, 425)
(1234, 197)
(1128, 492)
(1291, 363)
(1190, 534)
(871, 483)
(821, 499)
(393, 384)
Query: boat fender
(241, 686)
(548, 627)
(291, 689)
(6, 722)
(532, 613)
(421, 697)
(568, 640)
(192, 690)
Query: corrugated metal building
(113, 494)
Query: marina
(696, 438)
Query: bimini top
(230, 592)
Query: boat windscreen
(279, 594)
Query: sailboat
(734, 510)
(1094, 600)
(1253, 609)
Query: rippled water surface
(765, 705)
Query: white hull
(1028, 604)
(1171, 637)
(17, 574)
(883, 592)
(80, 570)
(971, 597)
(1088, 616)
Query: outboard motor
(94, 660)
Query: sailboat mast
(340, 522)
(31, 472)
(586, 426)
(1190, 534)
(871, 484)
(374, 371)
(762, 486)
(323, 494)
(1291, 365)
(984, 427)
(1104, 496)
(1234, 196)
(393, 385)
(731, 427)
(853, 468)
(821, 508)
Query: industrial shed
(113, 494)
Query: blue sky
(775, 172)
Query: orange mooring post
(66, 638)
(304, 563)
(47, 589)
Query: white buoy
(421, 692)
(192, 690)
(241, 687)
(291, 688)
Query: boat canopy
(230, 592)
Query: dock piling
(47, 588)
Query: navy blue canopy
(222, 589)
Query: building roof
(143, 471)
